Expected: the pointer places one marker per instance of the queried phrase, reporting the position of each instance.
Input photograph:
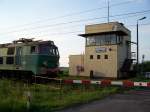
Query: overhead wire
(75, 32)
(72, 14)
(76, 21)
(74, 26)
(79, 25)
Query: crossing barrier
(125, 83)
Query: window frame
(10, 50)
(103, 39)
(9, 61)
(1, 60)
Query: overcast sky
(62, 21)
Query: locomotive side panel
(7, 58)
(28, 58)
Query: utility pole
(137, 27)
(138, 41)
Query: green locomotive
(25, 57)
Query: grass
(75, 77)
(140, 79)
(47, 98)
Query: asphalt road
(133, 101)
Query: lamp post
(138, 40)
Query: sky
(62, 21)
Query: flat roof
(106, 28)
(26, 43)
(100, 33)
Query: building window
(11, 51)
(119, 39)
(105, 56)
(1, 60)
(108, 39)
(103, 39)
(10, 60)
(98, 56)
(91, 56)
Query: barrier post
(28, 96)
(28, 100)
(60, 91)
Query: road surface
(133, 101)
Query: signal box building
(107, 52)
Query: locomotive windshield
(48, 49)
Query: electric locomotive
(25, 58)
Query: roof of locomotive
(24, 42)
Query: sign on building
(100, 49)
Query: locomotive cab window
(46, 49)
(52, 51)
(57, 53)
(11, 51)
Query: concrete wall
(101, 67)
(105, 27)
(74, 61)
(124, 50)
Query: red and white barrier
(125, 83)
